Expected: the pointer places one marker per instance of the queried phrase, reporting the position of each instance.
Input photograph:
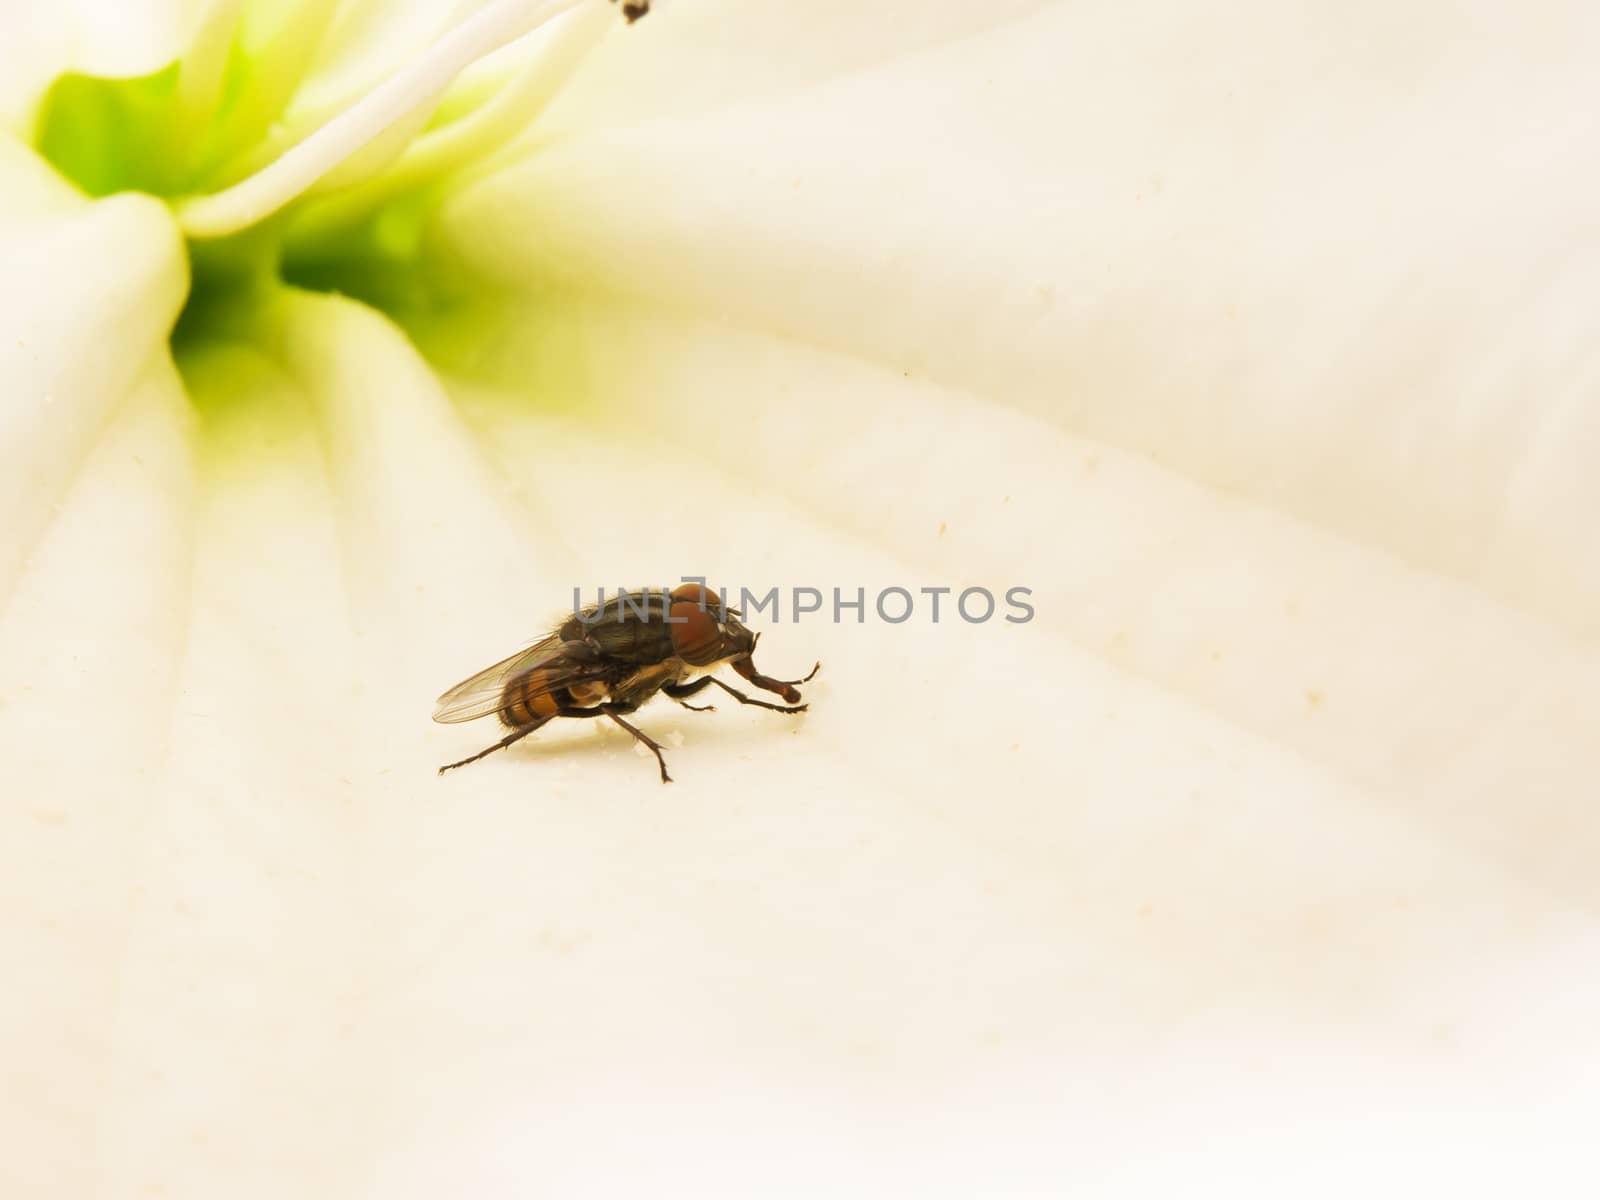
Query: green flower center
(275, 184)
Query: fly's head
(706, 634)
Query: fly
(613, 657)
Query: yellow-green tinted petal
(91, 292)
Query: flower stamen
(415, 86)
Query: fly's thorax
(641, 628)
(642, 684)
(629, 628)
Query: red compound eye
(695, 636)
(697, 594)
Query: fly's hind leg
(516, 735)
(681, 691)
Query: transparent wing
(484, 692)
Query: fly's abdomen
(528, 699)
(532, 698)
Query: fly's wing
(484, 693)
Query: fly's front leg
(782, 687)
(681, 691)
(743, 699)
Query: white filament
(275, 185)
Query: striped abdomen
(533, 697)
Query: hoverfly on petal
(611, 658)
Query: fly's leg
(514, 736)
(655, 747)
(743, 699)
(678, 691)
(783, 687)
(612, 711)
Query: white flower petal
(1321, 296)
(92, 640)
(1346, 655)
(92, 291)
(121, 39)
(1183, 862)
(717, 54)
(1277, 816)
